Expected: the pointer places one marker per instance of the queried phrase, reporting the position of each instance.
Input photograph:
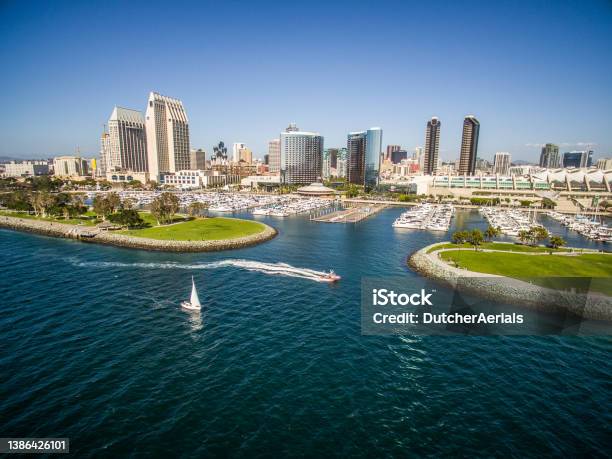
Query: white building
(274, 155)
(301, 155)
(167, 129)
(25, 168)
(126, 145)
(69, 166)
(256, 181)
(501, 163)
(193, 179)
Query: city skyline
(525, 100)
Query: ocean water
(96, 348)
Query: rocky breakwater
(503, 289)
(95, 235)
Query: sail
(195, 301)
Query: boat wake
(274, 269)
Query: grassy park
(196, 229)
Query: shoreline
(95, 236)
(504, 289)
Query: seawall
(509, 290)
(94, 235)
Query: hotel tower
(432, 146)
(167, 135)
(469, 146)
(125, 147)
(301, 156)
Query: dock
(352, 214)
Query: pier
(351, 214)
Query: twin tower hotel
(148, 145)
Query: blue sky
(532, 72)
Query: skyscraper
(391, 149)
(236, 147)
(104, 152)
(469, 146)
(301, 156)
(432, 146)
(355, 161)
(274, 155)
(364, 156)
(167, 129)
(549, 158)
(501, 163)
(127, 141)
(197, 159)
(576, 159)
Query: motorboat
(194, 301)
(331, 276)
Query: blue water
(95, 348)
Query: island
(182, 234)
(559, 279)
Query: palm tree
(556, 242)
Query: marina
(590, 227)
(285, 206)
(351, 214)
(430, 217)
(509, 221)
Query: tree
(491, 233)
(556, 242)
(537, 234)
(114, 201)
(101, 206)
(459, 237)
(475, 238)
(41, 202)
(548, 203)
(197, 209)
(127, 217)
(164, 207)
(523, 236)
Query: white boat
(194, 302)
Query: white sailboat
(194, 302)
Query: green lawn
(197, 229)
(538, 268)
(87, 219)
(507, 246)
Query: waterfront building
(301, 156)
(501, 163)
(120, 177)
(469, 145)
(549, 157)
(432, 146)
(576, 159)
(266, 182)
(604, 163)
(398, 155)
(167, 130)
(274, 155)
(391, 149)
(105, 148)
(126, 144)
(197, 159)
(364, 156)
(69, 166)
(25, 168)
(194, 179)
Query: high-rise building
(355, 161)
(549, 158)
(105, 148)
(236, 147)
(333, 157)
(501, 163)
(577, 158)
(245, 155)
(167, 130)
(391, 149)
(197, 159)
(127, 141)
(469, 146)
(432, 146)
(301, 156)
(398, 155)
(364, 150)
(274, 155)
(266, 159)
